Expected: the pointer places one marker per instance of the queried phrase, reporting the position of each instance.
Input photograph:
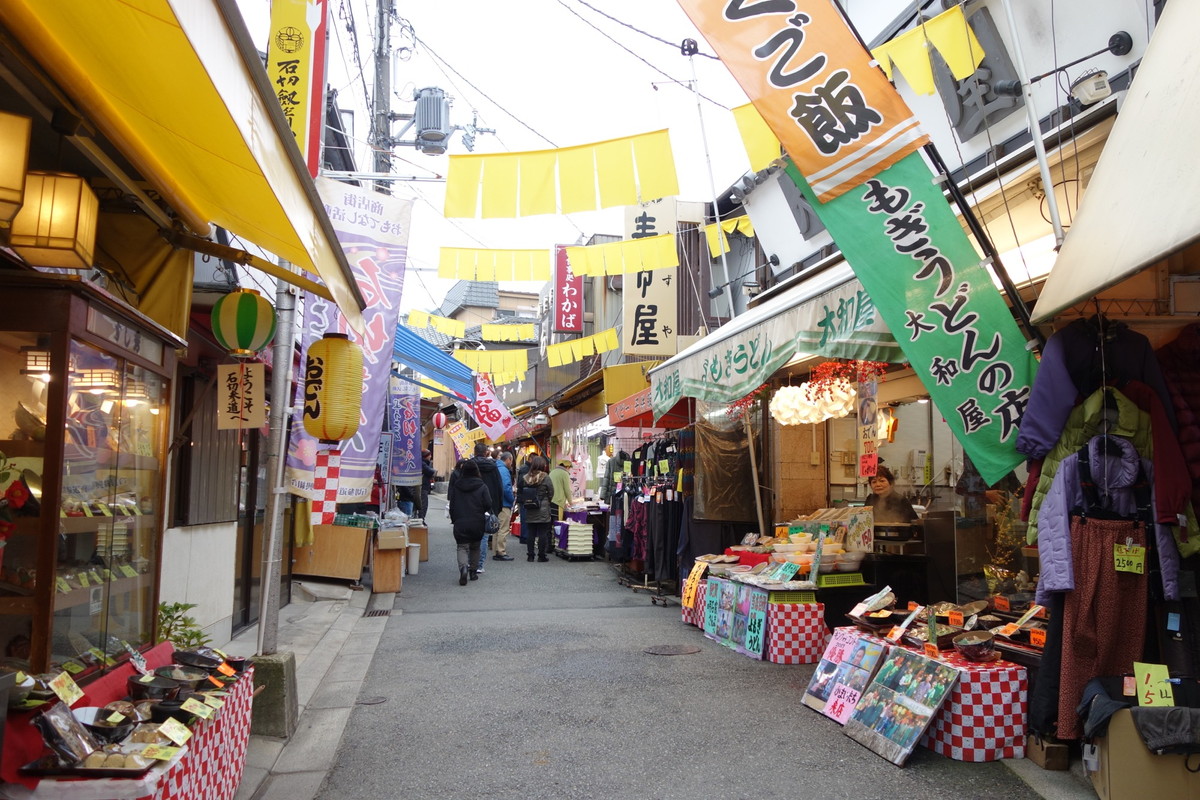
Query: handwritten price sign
(756, 625)
(841, 703)
(1129, 558)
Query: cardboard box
(392, 539)
(1128, 771)
(1047, 753)
(419, 534)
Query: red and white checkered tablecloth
(326, 477)
(695, 614)
(983, 717)
(796, 633)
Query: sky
(544, 74)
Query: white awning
(829, 314)
(1141, 205)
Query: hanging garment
(1076, 361)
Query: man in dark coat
(469, 500)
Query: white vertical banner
(241, 397)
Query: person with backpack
(469, 502)
(535, 505)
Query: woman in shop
(469, 501)
(889, 506)
(536, 493)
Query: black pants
(424, 501)
(537, 538)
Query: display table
(983, 716)
(796, 633)
(337, 551)
(209, 767)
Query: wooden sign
(241, 397)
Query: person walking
(491, 479)
(469, 500)
(427, 475)
(535, 497)
(500, 537)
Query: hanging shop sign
(568, 294)
(373, 231)
(296, 68)
(457, 432)
(655, 218)
(904, 243)
(650, 313)
(839, 323)
(868, 428)
(814, 84)
(242, 404)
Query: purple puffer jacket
(1114, 475)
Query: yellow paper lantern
(333, 377)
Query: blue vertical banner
(404, 419)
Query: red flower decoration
(825, 375)
(17, 493)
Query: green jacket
(560, 479)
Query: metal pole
(712, 185)
(281, 384)
(382, 134)
(762, 525)
(1035, 129)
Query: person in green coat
(560, 479)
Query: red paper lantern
(439, 420)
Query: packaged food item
(64, 734)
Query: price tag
(225, 669)
(913, 605)
(1153, 685)
(212, 700)
(1000, 603)
(628, 468)
(73, 667)
(1010, 629)
(160, 752)
(115, 718)
(1037, 637)
(128, 571)
(61, 585)
(895, 633)
(83, 579)
(201, 710)
(20, 677)
(213, 680)
(617, 477)
(664, 466)
(1028, 615)
(106, 574)
(858, 610)
(66, 688)
(1041, 613)
(931, 650)
(956, 619)
(1130, 558)
(221, 653)
(175, 730)
(787, 570)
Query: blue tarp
(425, 359)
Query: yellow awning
(171, 83)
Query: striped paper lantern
(333, 384)
(243, 322)
(439, 420)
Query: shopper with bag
(535, 497)
(469, 502)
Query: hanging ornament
(243, 322)
(439, 420)
(333, 375)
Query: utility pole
(382, 128)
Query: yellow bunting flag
(950, 33)
(474, 264)
(617, 172)
(624, 257)
(762, 145)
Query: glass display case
(81, 477)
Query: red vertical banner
(568, 295)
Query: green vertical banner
(905, 245)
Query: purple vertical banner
(404, 417)
(373, 231)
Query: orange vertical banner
(814, 85)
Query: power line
(666, 75)
(639, 30)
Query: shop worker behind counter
(887, 504)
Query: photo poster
(726, 598)
(899, 704)
(712, 605)
(843, 673)
(741, 619)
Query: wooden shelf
(22, 448)
(95, 523)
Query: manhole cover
(672, 650)
(372, 701)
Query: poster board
(843, 673)
(900, 703)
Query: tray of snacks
(113, 761)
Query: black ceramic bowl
(92, 718)
(204, 661)
(186, 677)
(975, 645)
(154, 688)
(169, 709)
(239, 663)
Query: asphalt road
(532, 682)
